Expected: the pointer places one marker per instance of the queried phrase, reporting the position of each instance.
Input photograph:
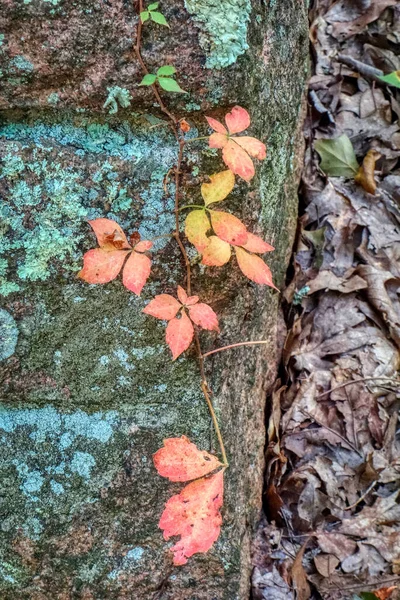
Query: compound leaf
(180, 460)
(194, 515)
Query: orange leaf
(184, 126)
(254, 267)
(254, 147)
(196, 227)
(179, 335)
(204, 316)
(108, 233)
(194, 515)
(366, 173)
(217, 252)
(238, 160)
(143, 246)
(163, 307)
(185, 299)
(237, 120)
(221, 184)
(385, 592)
(102, 266)
(216, 125)
(229, 228)
(191, 300)
(180, 460)
(217, 140)
(136, 272)
(256, 244)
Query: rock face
(88, 387)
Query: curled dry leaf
(366, 173)
(236, 151)
(181, 460)
(195, 516)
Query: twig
(362, 68)
(367, 491)
(321, 424)
(346, 383)
(259, 342)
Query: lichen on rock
(8, 335)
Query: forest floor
(332, 525)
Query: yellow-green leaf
(221, 184)
(337, 157)
(196, 226)
(392, 79)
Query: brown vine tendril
(181, 142)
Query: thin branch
(361, 498)
(256, 343)
(346, 383)
(340, 436)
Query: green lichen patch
(223, 29)
(8, 335)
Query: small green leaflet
(159, 18)
(166, 70)
(337, 157)
(144, 16)
(148, 79)
(170, 85)
(153, 6)
(153, 14)
(392, 79)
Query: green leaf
(337, 157)
(153, 6)
(159, 18)
(368, 596)
(392, 79)
(144, 16)
(148, 79)
(166, 70)
(170, 85)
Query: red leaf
(237, 120)
(238, 160)
(217, 140)
(254, 267)
(204, 316)
(179, 335)
(163, 307)
(143, 246)
(216, 125)
(180, 460)
(101, 266)
(217, 252)
(182, 295)
(109, 233)
(194, 515)
(252, 146)
(196, 227)
(256, 244)
(136, 272)
(229, 228)
(191, 300)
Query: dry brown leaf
(300, 583)
(326, 564)
(366, 173)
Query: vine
(194, 513)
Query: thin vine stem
(255, 343)
(181, 141)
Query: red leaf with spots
(163, 306)
(109, 233)
(256, 244)
(195, 516)
(179, 335)
(204, 316)
(254, 267)
(136, 272)
(101, 265)
(229, 228)
(180, 460)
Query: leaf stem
(203, 137)
(192, 206)
(255, 343)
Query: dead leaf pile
(332, 498)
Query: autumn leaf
(221, 184)
(196, 226)
(195, 516)
(366, 173)
(179, 335)
(184, 126)
(229, 228)
(385, 592)
(256, 244)
(236, 151)
(217, 252)
(204, 316)
(102, 265)
(163, 306)
(181, 460)
(337, 157)
(254, 267)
